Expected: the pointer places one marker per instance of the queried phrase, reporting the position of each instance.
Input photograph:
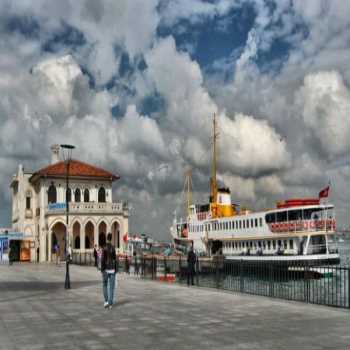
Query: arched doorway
(58, 232)
(102, 232)
(89, 235)
(115, 230)
(76, 235)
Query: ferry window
(274, 244)
(230, 225)
(247, 223)
(270, 218)
(268, 245)
(279, 243)
(291, 246)
(251, 222)
(256, 222)
(294, 215)
(243, 223)
(259, 244)
(240, 224)
(251, 244)
(260, 222)
(281, 216)
(312, 214)
(264, 244)
(285, 244)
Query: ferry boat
(296, 230)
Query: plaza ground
(37, 313)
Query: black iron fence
(324, 285)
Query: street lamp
(67, 156)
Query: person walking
(109, 268)
(95, 255)
(57, 252)
(191, 265)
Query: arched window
(77, 195)
(68, 195)
(102, 195)
(86, 195)
(52, 194)
(28, 199)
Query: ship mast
(213, 182)
(188, 185)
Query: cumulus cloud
(282, 131)
(325, 104)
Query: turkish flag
(324, 192)
(125, 237)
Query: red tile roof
(76, 169)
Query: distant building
(39, 211)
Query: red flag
(324, 192)
(125, 237)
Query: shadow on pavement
(15, 286)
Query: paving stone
(36, 312)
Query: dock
(36, 312)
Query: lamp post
(67, 156)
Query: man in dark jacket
(95, 255)
(191, 265)
(109, 269)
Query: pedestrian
(57, 252)
(95, 255)
(109, 268)
(99, 257)
(10, 253)
(191, 264)
(127, 264)
(136, 264)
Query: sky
(134, 86)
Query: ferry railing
(298, 281)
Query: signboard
(4, 246)
(57, 206)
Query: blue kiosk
(5, 243)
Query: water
(344, 252)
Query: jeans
(108, 280)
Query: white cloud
(325, 104)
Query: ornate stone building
(39, 211)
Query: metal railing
(325, 285)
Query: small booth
(13, 243)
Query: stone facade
(39, 211)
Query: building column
(42, 246)
(82, 239)
(50, 246)
(95, 236)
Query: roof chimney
(55, 154)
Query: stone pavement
(37, 313)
